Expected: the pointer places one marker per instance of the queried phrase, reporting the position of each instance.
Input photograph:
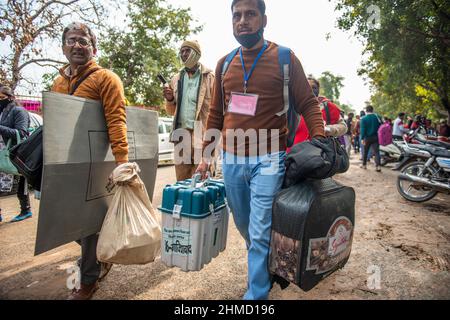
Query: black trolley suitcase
(27, 157)
(312, 231)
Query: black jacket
(14, 118)
(319, 158)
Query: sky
(301, 25)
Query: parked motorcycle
(391, 153)
(420, 181)
(414, 138)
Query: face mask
(316, 91)
(250, 40)
(192, 61)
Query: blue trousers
(251, 184)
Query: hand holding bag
(131, 233)
(319, 158)
(6, 165)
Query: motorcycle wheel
(413, 191)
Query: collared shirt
(399, 129)
(188, 107)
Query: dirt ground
(406, 244)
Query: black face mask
(316, 91)
(250, 40)
(4, 103)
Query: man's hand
(168, 94)
(363, 142)
(118, 163)
(203, 168)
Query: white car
(166, 148)
(35, 121)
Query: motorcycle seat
(445, 153)
(435, 151)
(441, 144)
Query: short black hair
(261, 6)
(401, 114)
(369, 108)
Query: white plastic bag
(131, 233)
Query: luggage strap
(80, 81)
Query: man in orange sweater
(82, 77)
(254, 133)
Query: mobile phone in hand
(162, 79)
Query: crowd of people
(368, 130)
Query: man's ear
(94, 51)
(264, 21)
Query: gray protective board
(77, 163)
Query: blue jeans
(251, 184)
(369, 155)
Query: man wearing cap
(13, 119)
(84, 78)
(188, 98)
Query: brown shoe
(85, 292)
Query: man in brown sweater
(254, 132)
(96, 83)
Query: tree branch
(439, 10)
(49, 3)
(37, 62)
(428, 35)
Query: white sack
(131, 233)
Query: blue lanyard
(248, 75)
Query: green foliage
(48, 78)
(146, 48)
(331, 85)
(408, 55)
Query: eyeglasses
(81, 41)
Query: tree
(146, 48)
(27, 25)
(331, 85)
(409, 55)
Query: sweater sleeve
(305, 102)
(113, 99)
(172, 105)
(215, 117)
(362, 129)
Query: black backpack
(27, 157)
